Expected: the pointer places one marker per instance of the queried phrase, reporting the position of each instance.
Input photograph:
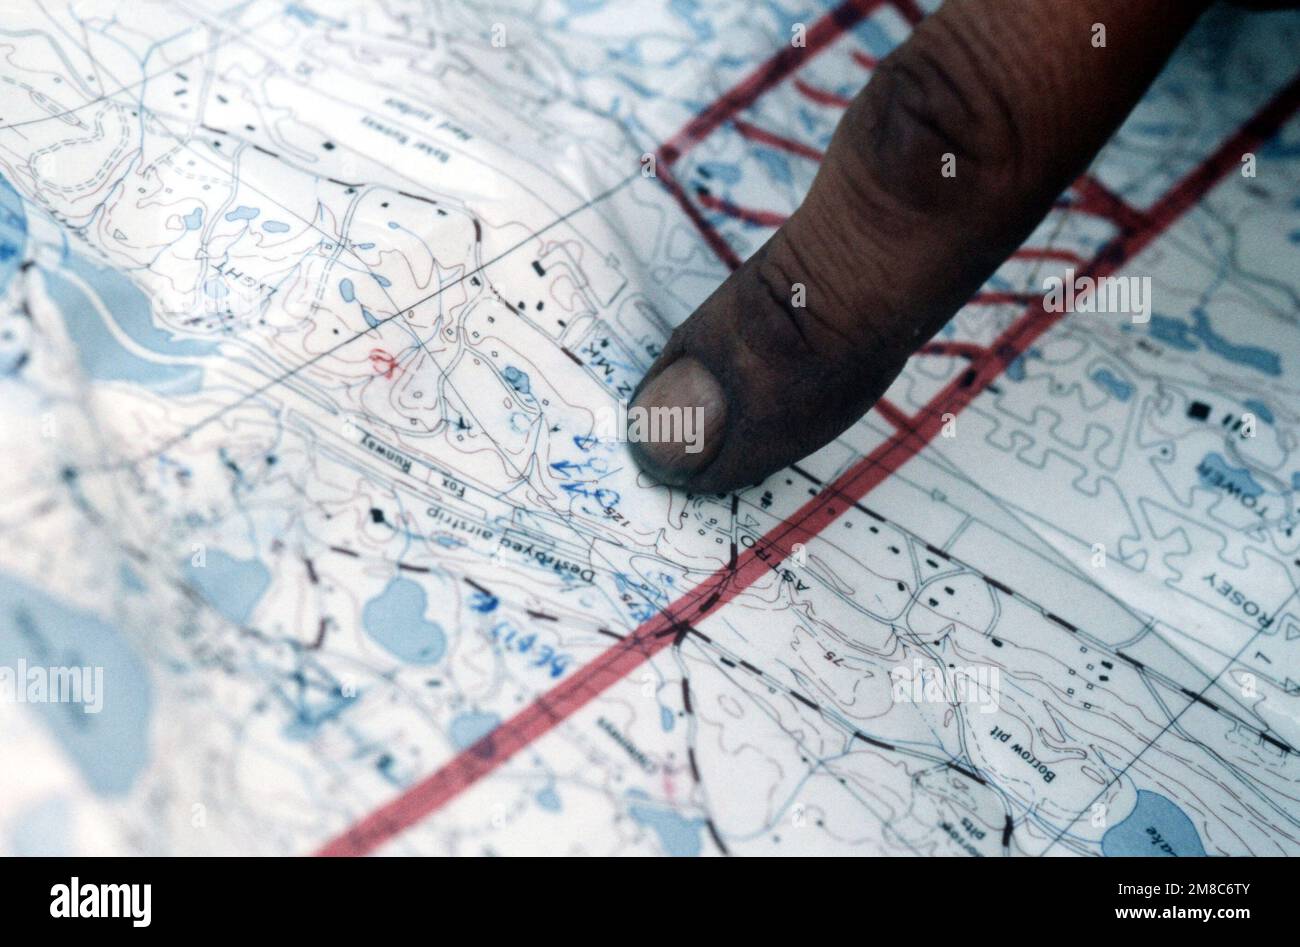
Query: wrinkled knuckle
(935, 127)
(778, 323)
(806, 311)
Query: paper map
(309, 311)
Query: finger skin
(885, 247)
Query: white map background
(308, 312)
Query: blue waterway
(242, 213)
(130, 579)
(680, 837)
(1112, 383)
(347, 291)
(689, 12)
(311, 711)
(776, 165)
(42, 830)
(13, 232)
(110, 747)
(13, 238)
(395, 620)
(275, 226)
(549, 799)
(1172, 332)
(1261, 410)
(232, 586)
(102, 357)
(1153, 823)
(302, 14)
(131, 310)
(875, 37)
(1231, 477)
(719, 172)
(194, 219)
(517, 380)
(472, 726)
(1178, 334)
(1015, 370)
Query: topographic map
(309, 314)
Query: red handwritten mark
(384, 363)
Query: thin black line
(1195, 699)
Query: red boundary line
(1093, 197)
(673, 623)
(951, 347)
(821, 96)
(864, 60)
(765, 137)
(759, 218)
(893, 414)
(910, 11)
(1054, 254)
(717, 243)
(740, 97)
(822, 33)
(999, 298)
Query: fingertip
(677, 422)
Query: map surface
(308, 316)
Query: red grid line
(864, 60)
(1001, 299)
(910, 11)
(1056, 254)
(760, 218)
(773, 72)
(737, 99)
(717, 243)
(893, 414)
(765, 137)
(1093, 197)
(957, 349)
(673, 623)
(821, 96)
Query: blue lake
(232, 586)
(1155, 827)
(13, 232)
(395, 620)
(1108, 380)
(101, 355)
(470, 727)
(1215, 472)
(110, 747)
(680, 836)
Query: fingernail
(674, 425)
